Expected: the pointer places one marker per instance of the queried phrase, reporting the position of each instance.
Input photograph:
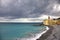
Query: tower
(48, 17)
(49, 22)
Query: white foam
(39, 35)
(35, 37)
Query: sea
(21, 31)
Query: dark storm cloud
(26, 8)
(22, 8)
(53, 8)
(58, 1)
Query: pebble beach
(52, 34)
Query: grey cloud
(50, 10)
(58, 1)
(26, 8)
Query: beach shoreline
(46, 34)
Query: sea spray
(39, 35)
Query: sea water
(20, 31)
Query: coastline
(39, 35)
(46, 34)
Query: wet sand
(52, 34)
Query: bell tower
(48, 17)
(49, 22)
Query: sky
(11, 10)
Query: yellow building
(45, 22)
(50, 21)
(58, 21)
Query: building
(51, 21)
(58, 21)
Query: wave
(34, 37)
